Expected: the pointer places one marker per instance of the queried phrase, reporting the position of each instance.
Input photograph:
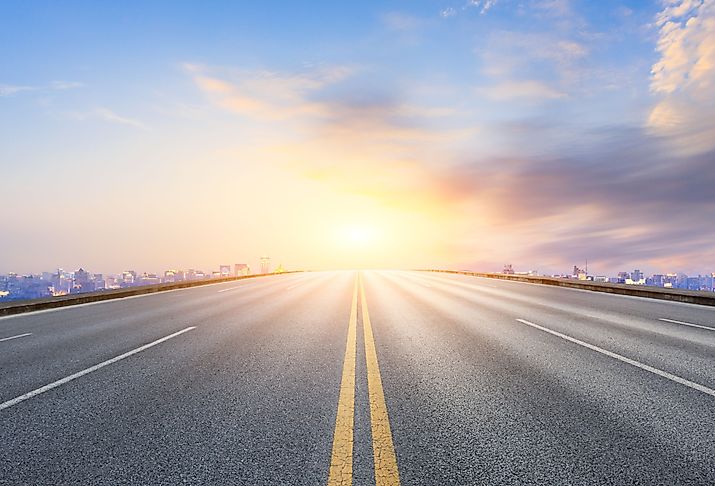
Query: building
(149, 279)
(241, 269)
(265, 264)
(635, 278)
(169, 276)
(224, 270)
(579, 273)
(83, 281)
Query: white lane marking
(232, 288)
(15, 337)
(686, 324)
(79, 374)
(637, 364)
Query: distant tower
(265, 264)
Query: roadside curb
(24, 306)
(674, 295)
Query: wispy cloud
(267, 95)
(325, 125)
(63, 85)
(9, 90)
(529, 89)
(532, 66)
(481, 6)
(557, 8)
(401, 21)
(619, 197)
(106, 115)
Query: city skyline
(59, 282)
(450, 134)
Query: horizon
(449, 134)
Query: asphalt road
(324, 378)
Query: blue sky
(536, 132)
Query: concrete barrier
(22, 306)
(675, 295)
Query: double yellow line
(341, 462)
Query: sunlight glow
(358, 236)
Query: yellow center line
(383, 450)
(341, 461)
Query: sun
(358, 235)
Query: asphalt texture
(248, 394)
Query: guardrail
(674, 295)
(22, 306)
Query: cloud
(556, 8)
(530, 89)
(488, 4)
(535, 65)
(332, 126)
(63, 85)
(683, 78)
(618, 198)
(9, 90)
(555, 195)
(448, 12)
(401, 22)
(109, 116)
(483, 6)
(266, 95)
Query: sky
(395, 134)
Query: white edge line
(15, 337)
(106, 301)
(664, 374)
(686, 323)
(79, 374)
(649, 299)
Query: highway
(376, 377)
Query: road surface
(387, 378)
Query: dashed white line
(232, 288)
(15, 337)
(637, 364)
(79, 374)
(686, 324)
